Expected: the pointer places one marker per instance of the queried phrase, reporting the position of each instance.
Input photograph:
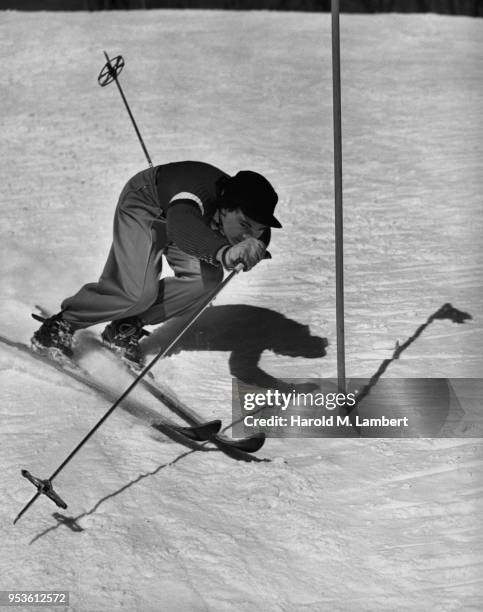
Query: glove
(248, 252)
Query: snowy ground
(341, 524)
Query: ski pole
(45, 486)
(109, 73)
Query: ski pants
(129, 284)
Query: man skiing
(202, 220)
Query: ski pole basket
(111, 70)
(44, 487)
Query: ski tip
(202, 432)
(256, 442)
(215, 425)
(252, 444)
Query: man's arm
(187, 229)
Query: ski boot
(123, 338)
(54, 338)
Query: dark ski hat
(252, 193)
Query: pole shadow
(446, 311)
(72, 522)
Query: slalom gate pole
(45, 486)
(110, 73)
(339, 244)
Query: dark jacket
(189, 193)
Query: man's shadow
(245, 332)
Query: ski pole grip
(240, 266)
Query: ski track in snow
(327, 524)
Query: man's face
(237, 226)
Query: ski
(199, 432)
(249, 444)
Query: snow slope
(317, 524)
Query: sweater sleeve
(187, 229)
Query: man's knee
(143, 298)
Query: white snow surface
(341, 524)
